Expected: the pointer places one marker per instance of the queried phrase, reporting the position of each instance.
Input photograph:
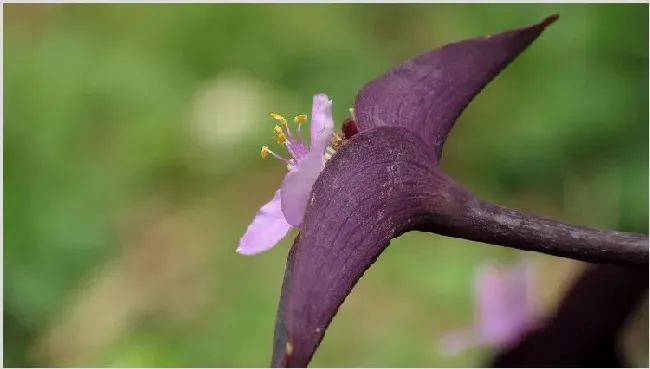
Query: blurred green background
(131, 158)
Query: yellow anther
(300, 118)
(281, 138)
(279, 135)
(264, 152)
(279, 117)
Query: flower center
(296, 146)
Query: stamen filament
(265, 151)
(299, 119)
(299, 134)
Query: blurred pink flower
(505, 308)
(274, 219)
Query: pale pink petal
(266, 230)
(503, 303)
(297, 185)
(322, 123)
(492, 321)
(505, 308)
(522, 290)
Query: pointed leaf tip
(549, 20)
(427, 94)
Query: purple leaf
(383, 183)
(428, 93)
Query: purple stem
(498, 225)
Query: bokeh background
(132, 167)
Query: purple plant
(386, 181)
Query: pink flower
(505, 309)
(287, 208)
